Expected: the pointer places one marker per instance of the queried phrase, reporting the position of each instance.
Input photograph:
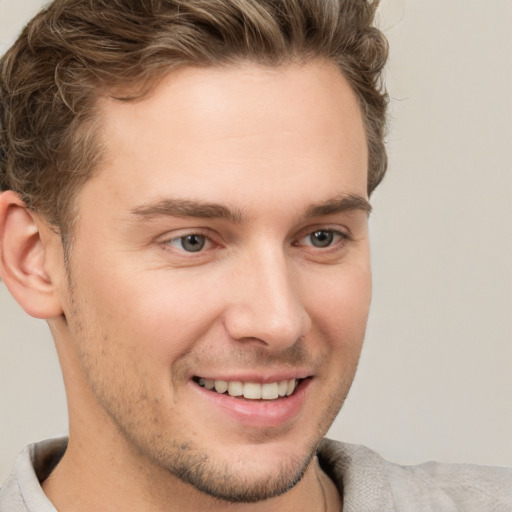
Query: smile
(251, 390)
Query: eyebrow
(187, 208)
(204, 210)
(339, 204)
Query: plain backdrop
(435, 379)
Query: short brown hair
(74, 51)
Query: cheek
(160, 314)
(339, 308)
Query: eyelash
(337, 237)
(181, 238)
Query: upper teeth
(251, 390)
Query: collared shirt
(366, 481)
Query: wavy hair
(75, 51)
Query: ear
(23, 253)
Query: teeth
(282, 387)
(292, 384)
(235, 389)
(270, 391)
(251, 390)
(221, 386)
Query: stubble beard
(210, 478)
(192, 464)
(195, 465)
(218, 479)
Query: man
(186, 191)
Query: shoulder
(10, 496)
(22, 491)
(367, 480)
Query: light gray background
(435, 378)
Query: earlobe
(23, 254)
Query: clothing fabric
(366, 481)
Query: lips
(251, 390)
(253, 403)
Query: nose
(266, 303)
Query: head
(192, 182)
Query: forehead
(246, 130)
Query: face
(223, 244)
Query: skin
(136, 317)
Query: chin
(243, 482)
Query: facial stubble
(148, 436)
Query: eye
(322, 238)
(190, 243)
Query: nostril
(274, 329)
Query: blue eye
(190, 243)
(323, 238)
